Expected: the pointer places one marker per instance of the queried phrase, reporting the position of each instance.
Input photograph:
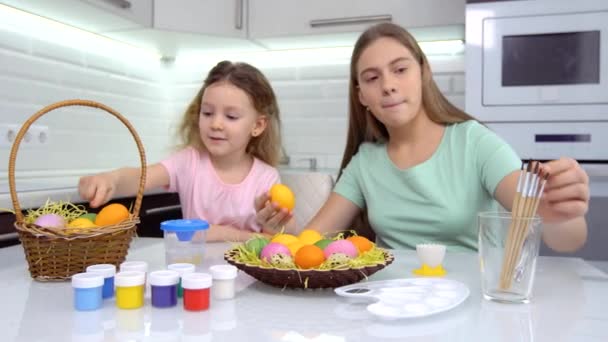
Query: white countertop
(570, 304)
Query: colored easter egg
(50, 221)
(81, 222)
(256, 244)
(309, 236)
(283, 196)
(89, 216)
(341, 246)
(323, 243)
(112, 214)
(274, 248)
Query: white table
(570, 304)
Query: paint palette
(408, 298)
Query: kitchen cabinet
(136, 11)
(226, 18)
(92, 15)
(280, 18)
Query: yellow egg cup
(428, 271)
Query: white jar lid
(105, 270)
(223, 272)
(196, 281)
(87, 280)
(182, 268)
(140, 266)
(130, 278)
(163, 278)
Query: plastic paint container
(130, 289)
(181, 268)
(107, 271)
(88, 288)
(140, 266)
(164, 288)
(223, 281)
(184, 241)
(196, 291)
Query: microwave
(537, 60)
(536, 72)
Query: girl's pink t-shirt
(204, 196)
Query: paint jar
(181, 268)
(139, 266)
(164, 288)
(224, 277)
(107, 271)
(196, 291)
(88, 288)
(184, 241)
(130, 289)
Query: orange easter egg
(112, 214)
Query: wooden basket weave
(53, 255)
(307, 279)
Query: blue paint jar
(107, 271)
(88, 288)
(164, 288)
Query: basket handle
(86, 103)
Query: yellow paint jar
(130, 289)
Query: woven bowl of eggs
(308, 260)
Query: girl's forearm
(126, 181)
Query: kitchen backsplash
(33, 73)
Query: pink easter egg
(341, 246)
(273, 248)
(50, 221)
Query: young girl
(231, 136)
(421, 169)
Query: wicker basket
(307, 279)
(53, 255)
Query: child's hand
(97, 189)
(269, 215)
(566, 194)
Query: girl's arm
(224, 233)
(100, 188)
(335, 215)
(563, 204)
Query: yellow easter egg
(309, 236)
(112, 214)
(81, 222)
(283, 196)
(284, 239)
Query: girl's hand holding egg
(274, 209)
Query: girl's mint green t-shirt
(437, 200)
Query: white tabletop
(570, 304)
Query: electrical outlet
(35, 136)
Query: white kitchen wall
(34, 73)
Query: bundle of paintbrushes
(530, 186)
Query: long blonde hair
(363, 126)
(266, 146)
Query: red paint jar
(196, 291)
